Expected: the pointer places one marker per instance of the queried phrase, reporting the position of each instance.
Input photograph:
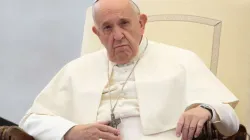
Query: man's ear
(143, 21)
(95, 31)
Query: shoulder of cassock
(154, 49)
(199, 78)
(159, 53)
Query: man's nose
(118, 34)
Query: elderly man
(134, 89)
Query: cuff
(215, 117)
(63, 129)
(47, 127)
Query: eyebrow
(107, 22)
(104, 24)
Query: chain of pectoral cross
(116, 121)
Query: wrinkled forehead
(119, 4)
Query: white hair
(133, 4)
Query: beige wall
(218, 31)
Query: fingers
(179, 126)
(108, 129)
(191, 123)
(192, 128)
(199, 127)
(108, 136)
(185, 128)
(189, 127)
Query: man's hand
(191, 123)
(92, 132)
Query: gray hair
(133, 4)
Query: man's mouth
(118, 46)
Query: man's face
(119, 28)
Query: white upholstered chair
(217, 30)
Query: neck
(123, 62)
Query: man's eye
(124, 22)
(107, 27)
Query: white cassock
(166, 82)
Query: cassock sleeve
(225, 120)
(48, 119)
(45, 127)
(204, 87)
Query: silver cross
(114, 122)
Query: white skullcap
(135, 1)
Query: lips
(120, 46)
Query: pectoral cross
(114, 122)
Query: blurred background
(37, 37)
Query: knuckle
(205, 118)
(192, 128)
(180, 123)
(199, 127)
(186, 126)
(105, 129)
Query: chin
(121, 62)
(123, 59)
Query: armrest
(13, 133)
(240, 135)
(209, 132)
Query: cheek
(142, 31)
